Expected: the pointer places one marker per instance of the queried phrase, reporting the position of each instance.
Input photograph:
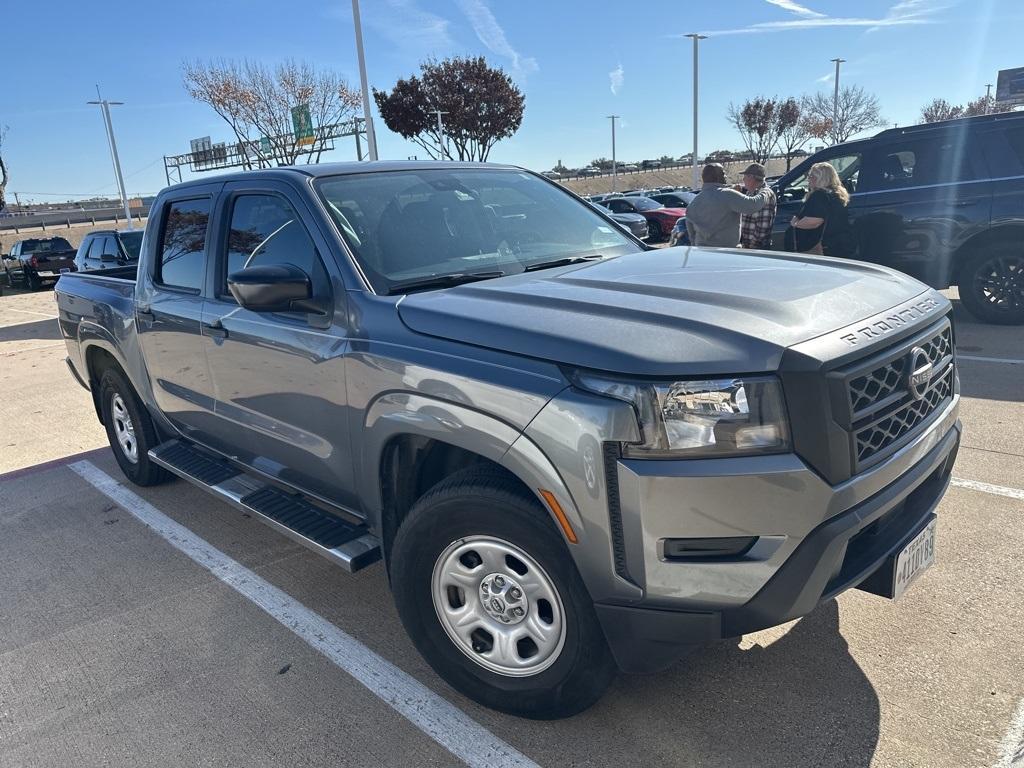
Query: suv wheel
(129, 430)
(490, 596)
(992, 284)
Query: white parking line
(998, 490)
(1011, 749)
(438, 718)
(32, 312)
(1006, 360)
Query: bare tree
(257, 102)
(480, 105)
(757, 122)
(4, 176)
(856, 111)
(940, 109)
(794, 130)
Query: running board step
(350, 545)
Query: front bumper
(814, 541)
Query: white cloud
(903, 13)
(490, 33)
(824, 78)
(616, 77)
(793, 7)
(409, 27)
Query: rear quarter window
(182, 248)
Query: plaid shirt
(756, 228)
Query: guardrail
(54, 219)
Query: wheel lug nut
(498, 581)
(515, 593)
(517, 611)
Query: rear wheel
(489, 595)
(654, 231)
(992, 284)
(129, 430)
(32, 281)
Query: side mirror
(274, 288)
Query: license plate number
(916, 557)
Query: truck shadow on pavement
(800, 701)
(42, 330)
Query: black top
(825, 204)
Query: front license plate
(916, 557)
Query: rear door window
(95, 249)
(941, 158)
(183, 244)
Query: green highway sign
(302, 124)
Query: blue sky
(576, 60)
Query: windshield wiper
(563, 262)
(442, 281)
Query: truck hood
(667, 312)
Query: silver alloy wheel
(123, 428)
(498, 606)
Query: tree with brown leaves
(856, 111)
(481, 103)
(257, 102)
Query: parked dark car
(633, 223)
(660, 219)
(943, 202)
(37, 261)
(673, 199)
(651, 164)
(108, 248)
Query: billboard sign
(302, 125)
(1010, 87)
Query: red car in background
(660, 219)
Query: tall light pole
(105, 105)
(988, 97)
(835, 96)
(371, 136)
(615, 170)
(696, 39)
(440, 133)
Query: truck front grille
(881, 411)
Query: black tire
(991, 284)
(654, 232)
(487, 503)
(141, 470)
(31, 279)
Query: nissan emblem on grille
(920, 373)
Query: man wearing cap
(756, 228)
(713, 217)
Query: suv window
(266, 230)
(182, 244)
(918, 161)
(847, 166)
(1015, 138)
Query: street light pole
(988, 97)
(696, 38)
(835, 96)
(371, 136)
(105, 105)
(615, 171)
(440, 133)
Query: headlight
(699, 419)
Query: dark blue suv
(943, 202)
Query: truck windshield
(426, 223)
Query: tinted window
(49, 245)
(407, 225)
(646, 204)
(132, 242)
(914, 162)
(183, 242)
(266, 230)
(110, 247)
(95, 248)
(1015, 138)
(847, 166)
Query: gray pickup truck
(574, 453)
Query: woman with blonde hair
(822, 226)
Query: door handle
(964, 203)
(215, 329)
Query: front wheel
(992, 284)
(490, 596)
(654, 231)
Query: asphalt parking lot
(159, 627)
